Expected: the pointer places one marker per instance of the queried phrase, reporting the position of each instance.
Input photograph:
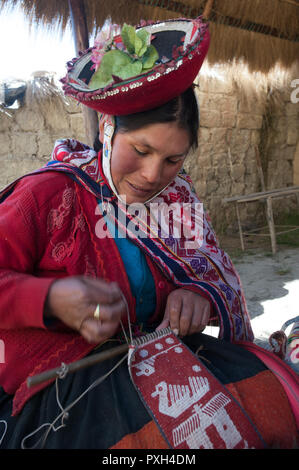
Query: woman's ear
(105, 118)
(101, 127)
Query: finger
(102, 291)
(163, 324)
(207, 314)
(94, 331)
(186, 316)
(111, 312)
(200, 318)
(173, 307)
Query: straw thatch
(261, 33)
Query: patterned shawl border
(188, 266)
(227, 327)
(150, 247)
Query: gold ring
(97, 313)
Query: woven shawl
(206, 270)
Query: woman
(82, 269)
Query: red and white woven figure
(190, 406)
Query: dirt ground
(270, 283)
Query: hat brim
(170, 77)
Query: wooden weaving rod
(64, 369)
(76, 365)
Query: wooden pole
(271, 224)
(77, 365)
(207, 10)
(240, 226)
(81, 39)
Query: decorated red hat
(133, 70)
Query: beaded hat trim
(187, 54)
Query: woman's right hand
(73, 300)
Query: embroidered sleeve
(22, 235)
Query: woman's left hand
(186, 312)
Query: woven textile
(192, 408)
(113, 416)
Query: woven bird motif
(175, 399)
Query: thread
(5, 429)
(151, 336)
(65, 411)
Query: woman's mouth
(139, 190)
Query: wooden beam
(76, 365)
(207, 9)
(217, 18)
(79, 24)
(270, 220)
(81, 39)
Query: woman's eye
(139, 151)
(174, 162)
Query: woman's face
(144, 161)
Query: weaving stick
(76, 365)
(89, 361)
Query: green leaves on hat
(149, 58)
(137, 57)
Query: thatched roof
(261, 33)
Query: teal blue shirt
(140, 277)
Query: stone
(221, 159)
(5, 144)
(212, 186)
(224, 103)
(292, 109)
(72, 106)
(222, 171)
(224, 188)
(251, 186)
(218, 136)
(238, 171)
(292, 136)
(296, 166)
(228, 119)
(6, 120)
(255, 137)
(204, 135)
(24, 144)
(205, 151)
(215, 85)
(252, 106)
(237, 189)
(28, 120)
(77, 127)
(201, 189)
(279, 137)
(45, 143)
(203, 100)
(239, 140)
(18, 166)
(249, 121)
(57, 119)
(210, 118)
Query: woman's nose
(151, 171)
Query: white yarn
(64, 413)
(5, 429)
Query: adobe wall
(232, 130)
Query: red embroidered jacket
(47, 231)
